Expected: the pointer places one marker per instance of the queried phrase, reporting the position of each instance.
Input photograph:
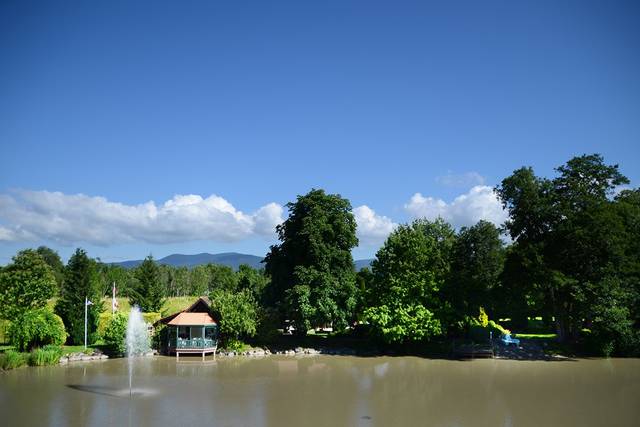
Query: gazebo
(192, 331)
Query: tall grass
(11, 359)
(48, 355)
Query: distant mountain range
(230, 259)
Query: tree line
(569, 253)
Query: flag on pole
(114, 301)
(87, 303)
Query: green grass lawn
(537, 336)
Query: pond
(325, 391)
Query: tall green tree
(409, 271)
(476, 265)
(569, 239)
(52, 258)
(253, 280)
(80, 281)
(25, 284)
(147, 291)
(311, 270)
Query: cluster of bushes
(37, 328)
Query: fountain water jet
(137, 340)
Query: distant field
(171, 305)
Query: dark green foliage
(236, 313)
(408, 272)
(476, 265)
(268, 324)
(147, 292)
(27, 283)
(253, 280)
(115, 333)
(364, 281)
(312, 274)
(12, 359)
(53, 260)
(36, 328)
(80, 282)
(576, 249)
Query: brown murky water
(325, 391)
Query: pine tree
(147, 293)
(80, 282)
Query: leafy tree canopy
(27, 283)
(408, 272)
(312, 273)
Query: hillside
(230, 259)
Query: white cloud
(68, 219)
(372, 228)
(462, 180)
(467, 209)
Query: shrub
(48, 355)
(11, 359)
(160, 337)
(36, 328)
(612, 332)
(483, 318)
(115, 332)
(400, 323)
(235, 345)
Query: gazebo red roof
(192, 319)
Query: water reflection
(325, 391)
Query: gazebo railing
(195, 343)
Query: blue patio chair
(507, 340)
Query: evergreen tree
(80, 282)
(147, 292)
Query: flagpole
(85, 322)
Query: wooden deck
(202, 351)
(474, 352)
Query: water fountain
(137, 340)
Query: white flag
(114, 301)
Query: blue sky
(407, 109)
